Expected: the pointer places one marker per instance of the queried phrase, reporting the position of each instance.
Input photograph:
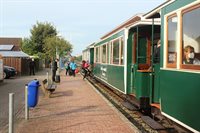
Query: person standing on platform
(54, 69)
(73, 67)
(32, 67)
(86, 69)
(67, 68)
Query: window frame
(94, 54)
(187, 66)
(107, 53)
(121, 51)
(116, 39)
(105, 44)
(134, 45)
(97, 57)
(111, 52)
(170, 65)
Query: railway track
(133, 113)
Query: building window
(172, 41)
(104, 53)
(116, 51)
(191, 38)
(122, 51)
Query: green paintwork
(135, 68)
(142, 48)
(113, 75)
(120, 33)
(175, 5)
(179, 90)
(138, 83)
(142, 79)
(180, 96)
(129, 81)
(156, 86)
(92, 55)
(142, 84)
(170, 8)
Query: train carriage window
(104, 53)
(172, 41)
(97, 54)
(191, 38)
(111, 52)
(116, 51)
(122, 51)
(108, 53)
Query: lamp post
(57, 79)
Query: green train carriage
(120, 65)
(88, 54)
(179, 72)
(124, 59)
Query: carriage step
(129, 106)
(152, 123)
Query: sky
(81, 22)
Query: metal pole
(11, 112)
(58, 63)
(47, 77)
(152, 65)
(26, 103)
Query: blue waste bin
(33, 93)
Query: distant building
(12, 54)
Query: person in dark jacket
(32, 67)
(54, 69)
(67, 68)
(157, 52)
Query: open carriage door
(140, 62)
(155, 61)
(134, 65)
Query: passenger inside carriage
(189, 56)
(157, 52)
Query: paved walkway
(75, 107)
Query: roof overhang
(91, 45)
(145, 22)
(133, 19)
(4, 47)
(136, 23)
(155, 13)
(16, 54)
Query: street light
(57, 79)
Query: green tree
(53, 43)
(28, 47)
(39, 33)
(44, 41)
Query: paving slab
(75, 107)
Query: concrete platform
(75, 107)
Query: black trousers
(32, 70)
(73, 73)
(53, 75)
(85, 73)
(67, 71)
